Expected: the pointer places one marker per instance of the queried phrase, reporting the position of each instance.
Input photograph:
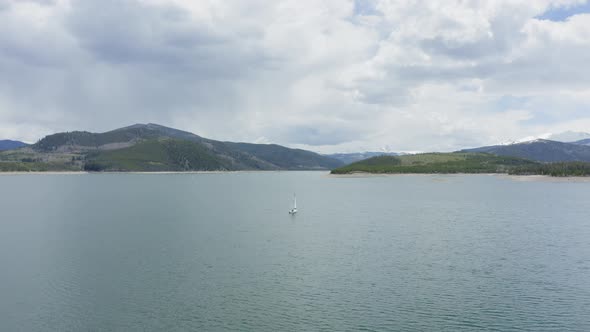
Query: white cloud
(323, 75)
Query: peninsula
(463, 162)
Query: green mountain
(540, 150)
(285, 158)
(78, 141)
(151, 147)
(157, 155)
(461, 162)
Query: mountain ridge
(153, 147)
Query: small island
(463, 162)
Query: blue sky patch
(365, 7)
(560, 14)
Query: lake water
(219, 252)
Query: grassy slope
(540, 150)
(37, 167)
(437, 163)
(27, 160)
(158, 155)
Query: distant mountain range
(11, 145)
(349, 158)
(574, 147)
(540, 150)
(151, 147)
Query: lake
(219, 252)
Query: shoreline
(41, 173)
(154, 173)
(522, 178)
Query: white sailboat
(294, 209)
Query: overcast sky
(329, 76)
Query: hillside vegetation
(151, 147)
(540, 150)
(37, 167)
(84, 141)
(284, 158)
(561, 169)
(458, 162)
(157, 155)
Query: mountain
(78, 141)
(151, 147)
(539, 150)
(349, 158)
(285, 158)
(11, 145)
(568, 136)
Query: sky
(324, 75)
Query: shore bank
(523, 178)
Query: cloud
(326, 75)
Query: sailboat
(294, 209)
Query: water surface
(219, 252)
